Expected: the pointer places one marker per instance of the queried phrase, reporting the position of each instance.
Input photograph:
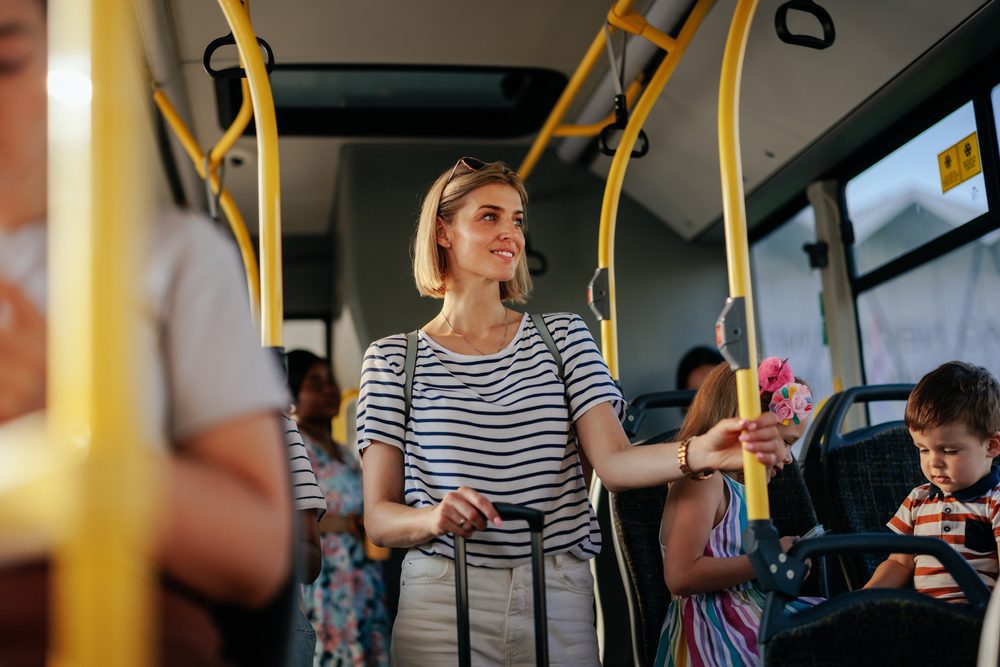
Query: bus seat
(859, 479)
(636, 536)
(882, 627)
(636, 518)
(793, 513)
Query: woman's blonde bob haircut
(430, 262)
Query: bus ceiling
(803, 110)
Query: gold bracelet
(682, 462)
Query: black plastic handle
(638, 406)
(809, 7)
(510, 512)
(232, 72)
(976, 592)
(864, 394)
(604, 142)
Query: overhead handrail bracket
(731, 334)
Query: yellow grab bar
(243, 117)
(593, 129)
(96, 214)
(268, 173)
(616, 175)
(226, 202)
(625, 18)
(737, 246)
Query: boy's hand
(22, 354)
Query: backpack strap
(409, 368)
(543, 331)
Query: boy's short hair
(955, 392)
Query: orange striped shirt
(968, 520)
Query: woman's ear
(442, 234)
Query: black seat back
(859, 479)
(877, 626)
(793, 513)
(636, 518)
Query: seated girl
(716, 610)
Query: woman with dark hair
(346, 603)
(695, 366)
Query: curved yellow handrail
(268, 173)
(226, 201)
(616, 175)
(737, 246)
(235, 130)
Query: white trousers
(501, 614)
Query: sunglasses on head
(474, 164)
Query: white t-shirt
(498, 423)
(206, 366)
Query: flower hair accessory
(791, 404)
(773, 374)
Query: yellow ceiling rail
(593, 129)
(226, 201)
(98, 194)
(268, 174)
(737, 246)
(616, 177)
(623, 17)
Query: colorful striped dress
(720, 628)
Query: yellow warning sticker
(968, 157)
(960, 162)
(951, 175)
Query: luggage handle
(536, 522)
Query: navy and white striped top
(496, 423)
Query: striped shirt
(305, 489)
(498, 423)
(968, 520)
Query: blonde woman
(490, 420)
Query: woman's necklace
(503, 338)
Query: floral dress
(709, 629)
(346, 603)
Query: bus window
(996, 107)
(787, 296)
(943, 310)
(906, 199)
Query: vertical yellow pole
(616, 175)
(272, 299)
(737, 247)
(96, 114)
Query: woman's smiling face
(485, 237)
(22, 111)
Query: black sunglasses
(475, 164)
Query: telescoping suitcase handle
(536, 523)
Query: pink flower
(782, 409)
(802, 403)
(773, 374)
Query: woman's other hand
(719, 449)
(463, 512)
(22, 354)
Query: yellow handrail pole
(96, 120)
(226, 202)
(616, 175)
(235, 130)
(737, 246)
(593, 129)
(569, 94)
(269, 197)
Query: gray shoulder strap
(543, 331)
(409, 368)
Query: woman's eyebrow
(494, 207)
